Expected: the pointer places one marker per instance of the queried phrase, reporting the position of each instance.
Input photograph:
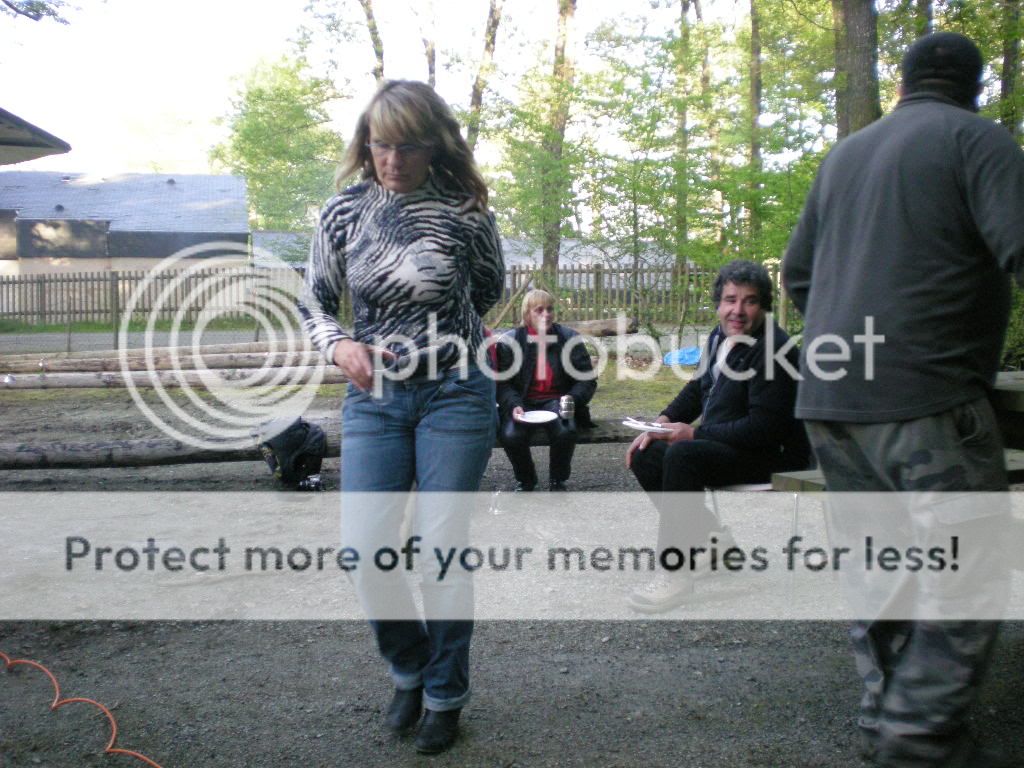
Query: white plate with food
(538, 417)
(646, 426)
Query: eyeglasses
(380, 148)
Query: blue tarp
(684, 356)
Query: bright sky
(134, 85)
(137, 85)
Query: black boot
(437, 731)
(404, 710)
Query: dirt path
(650, 693)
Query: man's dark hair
(743, 272)
(944, 62)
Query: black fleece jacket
(512, 392)
(754, 414)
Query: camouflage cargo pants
(919, 676)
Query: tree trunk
(158, 451)
(378, 44)
(756, 85)
(842, 68)
(924, 18)
(428, 33)
(476, 98)
(44, 359)
(429, 50)
(164, 362)
(606, 327)
(553, 183)
(681, 161)
(238, 377)
(862, 83)
(1009, 115)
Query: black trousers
(514, 437)
(691, 466)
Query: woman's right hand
(517, 413)
(355, 361)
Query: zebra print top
(419, 266)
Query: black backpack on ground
(295, 453)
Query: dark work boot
(437, 731)
(404, 710)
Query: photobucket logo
(398, 358)
(208, 403)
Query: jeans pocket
(477, 385)
(360, 413)
(971, 425)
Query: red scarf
(543, 386)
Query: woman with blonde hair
(534, 391)
(420, 254)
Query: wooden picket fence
(653, 295)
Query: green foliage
(629, 397)
(36, 10)
(280, 143)
(529, 171)
(1013, 349)
(628, 189)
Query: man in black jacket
(744, 396)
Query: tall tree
(924, 17)
(375, 40)
(680, 164)
(842, 68)
(279, 141)
(553, 184)
(424, 12)
(625, 185)
(1009, 109)
(756, 87)
(861, 22)
(476, 97)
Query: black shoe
(525, 487)
(557, 485)
(437, 731)
(404, 710)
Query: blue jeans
(438, 435)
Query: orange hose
(58, 702)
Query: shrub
(1013, 349)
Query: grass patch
(618, 397)
(615, 398)
(216, 324)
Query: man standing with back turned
(908, 233)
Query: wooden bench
(814, 480)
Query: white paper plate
(645, 426)
(538, 417)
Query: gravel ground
(616, 693)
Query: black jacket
(755, 414)
(512, 392)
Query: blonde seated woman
(543, 377)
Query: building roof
(133, 202)
(20, 140)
